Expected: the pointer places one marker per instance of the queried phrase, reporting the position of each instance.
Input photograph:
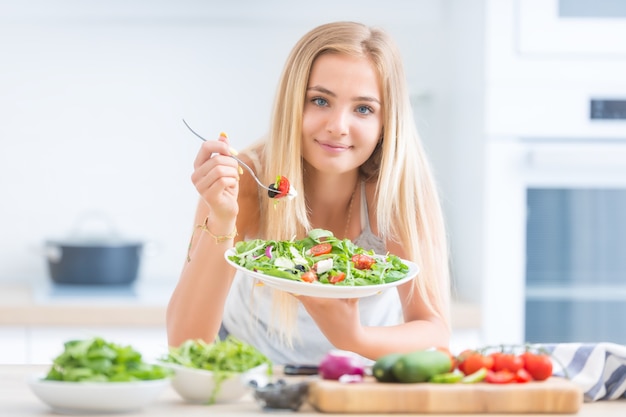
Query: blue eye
(319, 101)
(364, 110)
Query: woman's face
(342, 119)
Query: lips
(333, 147)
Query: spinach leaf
(97, 360)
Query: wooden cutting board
(555, 395)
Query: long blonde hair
(410, 212)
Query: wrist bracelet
(218, 239)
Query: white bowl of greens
(96, 376)
(215, 372)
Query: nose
(338, 122)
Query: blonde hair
(410, 212)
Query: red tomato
(282, 184)
(321, 249)
(362, 261)
(522, 376)
(500, 377)
(508, 362)
(309, 276)
(336, 276)
(538, 365)
(474, 361)
(461, 358)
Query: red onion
(338, 362)
(268, 251)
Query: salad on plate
(319, 258)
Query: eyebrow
(330, 93)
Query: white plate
(96, 397)
(317, 289)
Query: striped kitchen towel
(598, 368)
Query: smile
(333, 147)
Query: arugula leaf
(222, 357)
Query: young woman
(343, 134)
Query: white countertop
(44, 303)
(16, 400)
(143, 303)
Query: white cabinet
(13, 345)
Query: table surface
(16, 400)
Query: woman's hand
(216, 177)
(338, 319)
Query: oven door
(572, 27)
(555, 265)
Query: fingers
(216, 174)
(211, 148)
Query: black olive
(273, 192)
(301, 268)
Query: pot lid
(93, 228)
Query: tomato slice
(522, 376)
(309, 276)
(336, 276)
(321, 249)
(362, 261)
(500, 377)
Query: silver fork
(243, 164)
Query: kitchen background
(93, 93)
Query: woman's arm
(339, 320)
(196, 306)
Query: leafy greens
(97, 360)
(224, 358)
(291, 259)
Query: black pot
(93, 254)
(93, 263)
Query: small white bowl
(198, 385)
(96, 397)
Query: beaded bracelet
(218, 239)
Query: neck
(331, 203)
